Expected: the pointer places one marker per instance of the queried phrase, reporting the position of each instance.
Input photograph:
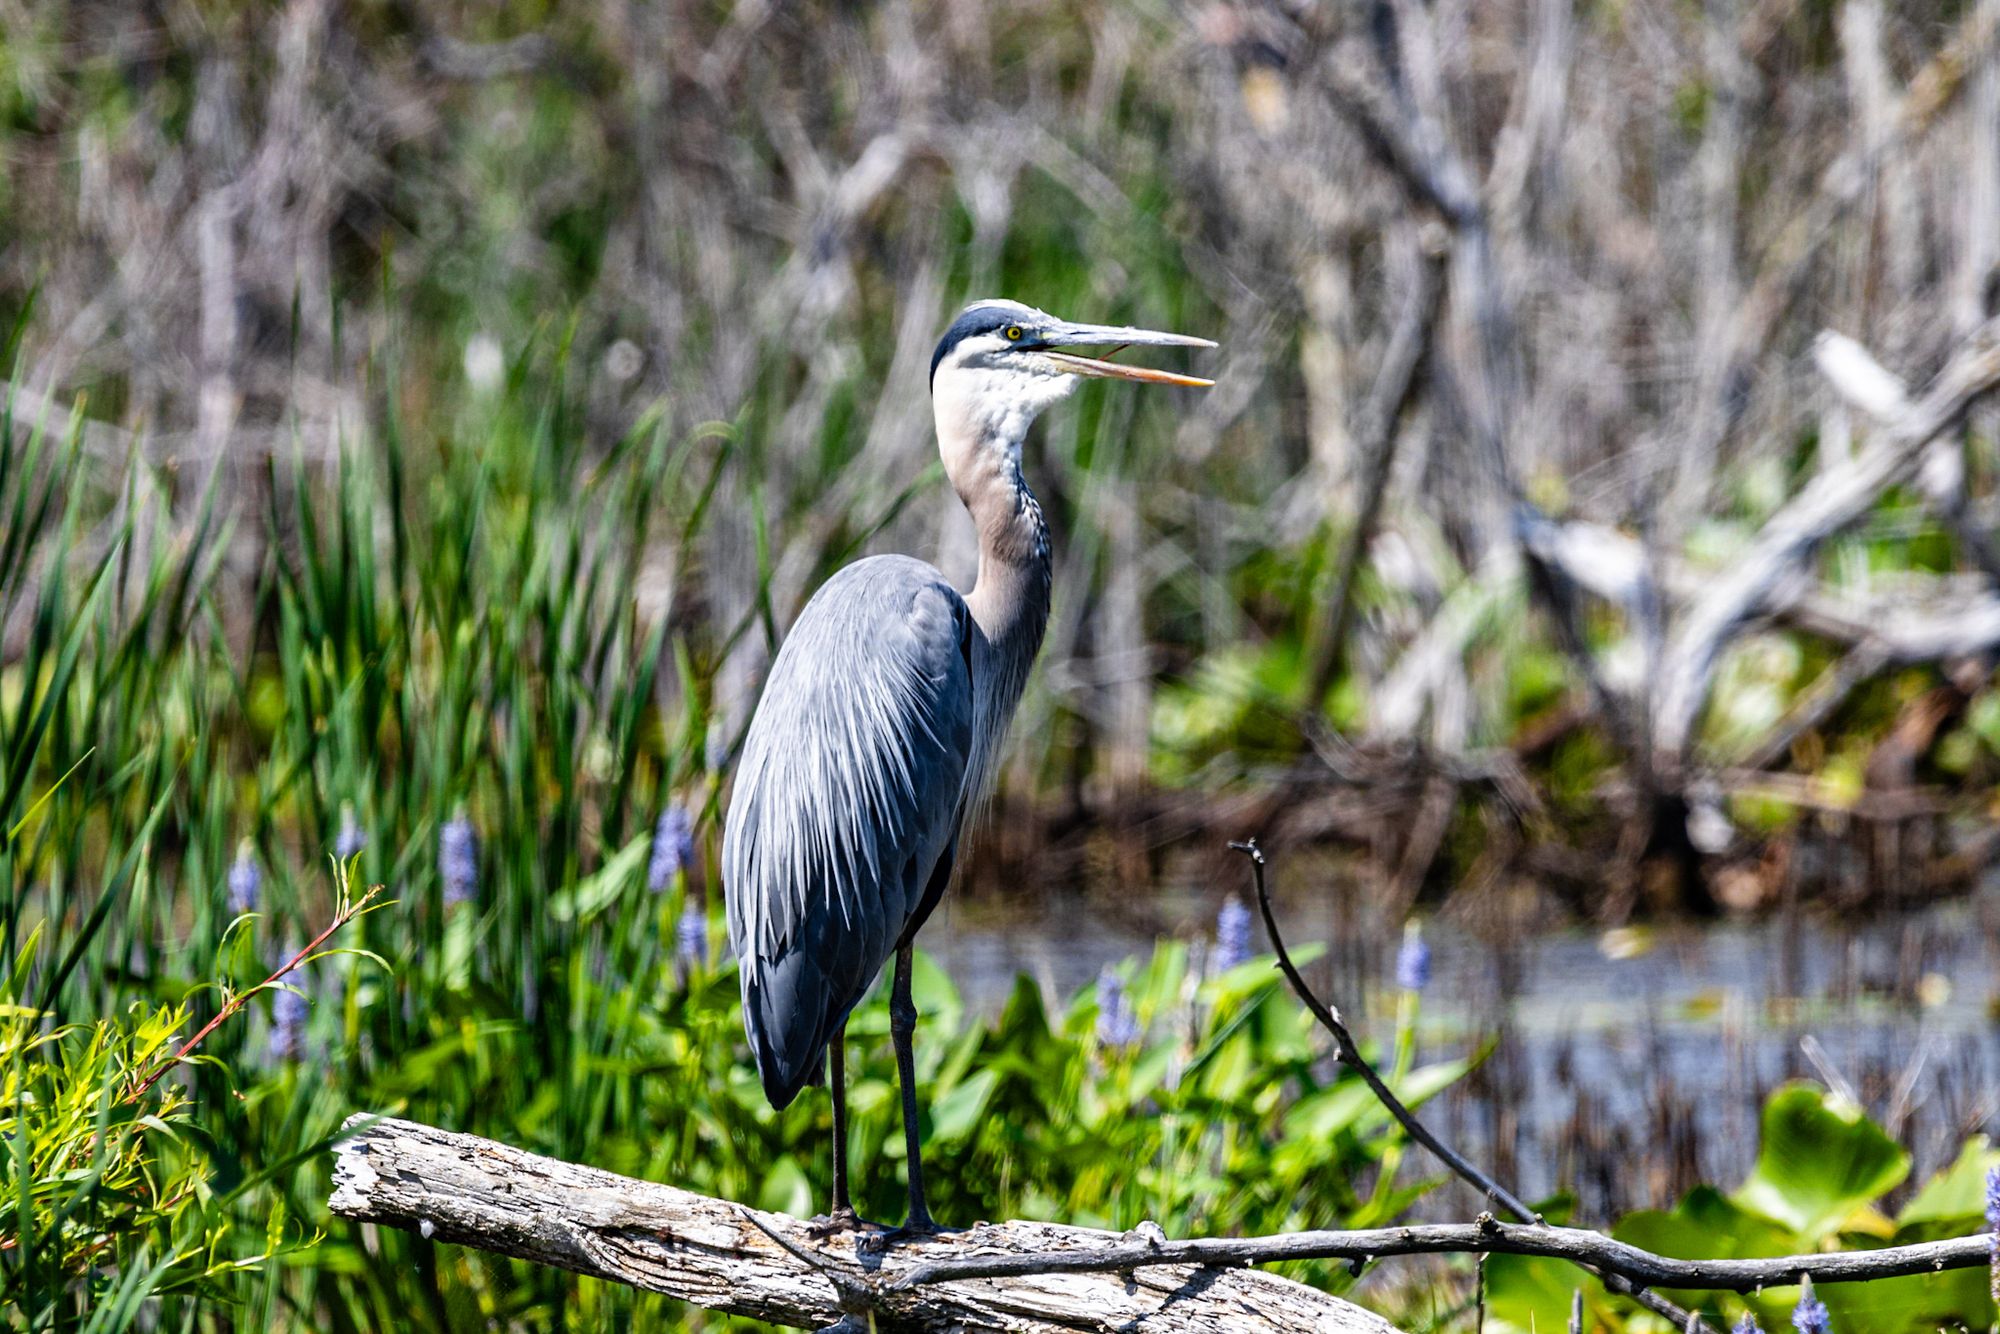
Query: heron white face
(1001, 364)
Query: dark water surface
(1631, 1064)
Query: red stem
(339, 920)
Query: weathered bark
(726, 1257)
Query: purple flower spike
(1746, 1324)
(246, 882)
(1993, 1225)
(1116, 1024)
(1413, 960)
(1232, 935)
(350, 840)
(458, 858)
(1810, 1316)
(691, 936)
(288, 1025)
(673, 848)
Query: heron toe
(838, 1221)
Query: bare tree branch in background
(1829, 502)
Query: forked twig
(1350, 1056)
(345, 913)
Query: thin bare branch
(1350, 1056)
(1592, 1250)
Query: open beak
(1116, 337)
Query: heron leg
(838, 1059)
(841, 1217)
(903, 1028)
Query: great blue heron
(881, 720)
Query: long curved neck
(1010, 598)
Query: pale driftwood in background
(723, 1256)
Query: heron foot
(916, 1229)
(840, 1220)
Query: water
(1630, 1065)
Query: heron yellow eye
(1013, 333)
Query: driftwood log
(723, 1256)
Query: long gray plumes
(846, 799)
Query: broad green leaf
(955, 1115)
(595, 892)
(1957, 1194)
(1820, 1159)
(786, 1189)
(1528, 1294)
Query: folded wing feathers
(851, 779)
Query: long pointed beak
(1117, 336)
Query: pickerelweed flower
(246, 882)
(1810, 1316)
(1116, 1024)
(673, 848)
(458, 858)
(1993, 1226)
(288, 1024)
(1746, 1324)
(691, 936)
(1413, 960)
(1232, 934)
(350, 839)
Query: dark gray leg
(903, 1028)
(841, 1217)
(838, 1059)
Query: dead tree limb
(723, 1256)
(1396, 387)
(1580, 1246)
(1014, 1276)
(1831, 501)
(1864, 383)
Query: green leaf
(594, 893)
(1956, 1196)
(1820, 1160)
(1530, 1294)
(955, 1115)
(786, 1190)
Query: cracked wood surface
(710, 1252)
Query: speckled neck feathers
(979, 438)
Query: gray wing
(846, 800)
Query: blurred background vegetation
(422, 421)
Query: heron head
(1000, 363)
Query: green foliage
(107, 1202)
(1818, 1161)
(456, 635)
(1822, 1169)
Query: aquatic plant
(245, 881)
(673, 848)
(1232, 934)
(458, 858)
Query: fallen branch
(1580, 1246)
(1012, 1276)
(723, 1256)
